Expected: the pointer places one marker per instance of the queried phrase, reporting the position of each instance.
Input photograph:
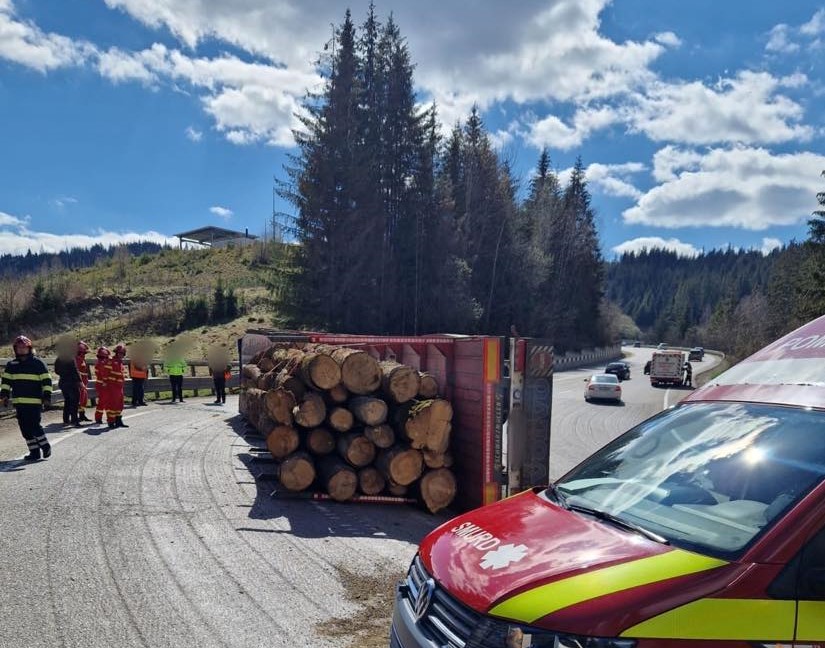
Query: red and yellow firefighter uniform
(102, 370)
(26, 380)
(114, 385)
(83, 368)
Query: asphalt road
(579, 428)
(161, 535)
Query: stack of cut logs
(339, 419)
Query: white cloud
(779, 40)
(815, 26)
(16, 237)
(24, 43)
(250, 102)
(742, 187)
(9, 220)
(222, 212)
(657, 243)
(120, 67)
(62, 201)
(193, 134)
(553, 132)
(668, 39)
(769, 245)
(744, 109)
(609, 179)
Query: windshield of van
(705, 476)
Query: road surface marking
(667, 396)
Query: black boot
(111, 425)
(119, 422)
(47, 451)
(83, 417)
(34, 455)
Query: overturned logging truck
(437, 419)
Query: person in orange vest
(221, 370)
(138, 372)
(102, 370)
(83, 369)
(115, 383)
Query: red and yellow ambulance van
(702, 526)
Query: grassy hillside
(127, 297)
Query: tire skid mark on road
(224, 569)
(169, 438)
(133, 619)
(105, 576)
(326, 567)
(164, 467)
(51, 563)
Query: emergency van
(702, 526)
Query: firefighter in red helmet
(101, 382)
(115, 383)
(26, 380)
(83, 368)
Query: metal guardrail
(155, 384)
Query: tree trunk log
(399, 382)
(297, 472)
(438, 489)
(428, 388)
(400, 464)
(437, 459)
(383, 436)
(371, 481)
(320, 441)
(341, 419)
(429, 425)
(279, 404)
(311, 411)
(266, 365)
(360, 372)
(396, 490)
(338, 394)
(339, 479)
(320, 371)
(370, 411)
(357, 449)
(251, 374)
(282, 441)
(286, 381)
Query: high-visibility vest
(175, 367)
(138, 372)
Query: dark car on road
(696, 354)
(619, 369)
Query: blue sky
(700, 124)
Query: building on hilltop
(216, 237)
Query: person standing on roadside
(70, 381)
(83, 369)
(115, 383)
(101, 386)
(221, 370)
(26, 380)
(138, 372)
(175, 367)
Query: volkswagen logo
(424, 598)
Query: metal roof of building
(211, 234)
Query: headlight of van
(531, 638)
